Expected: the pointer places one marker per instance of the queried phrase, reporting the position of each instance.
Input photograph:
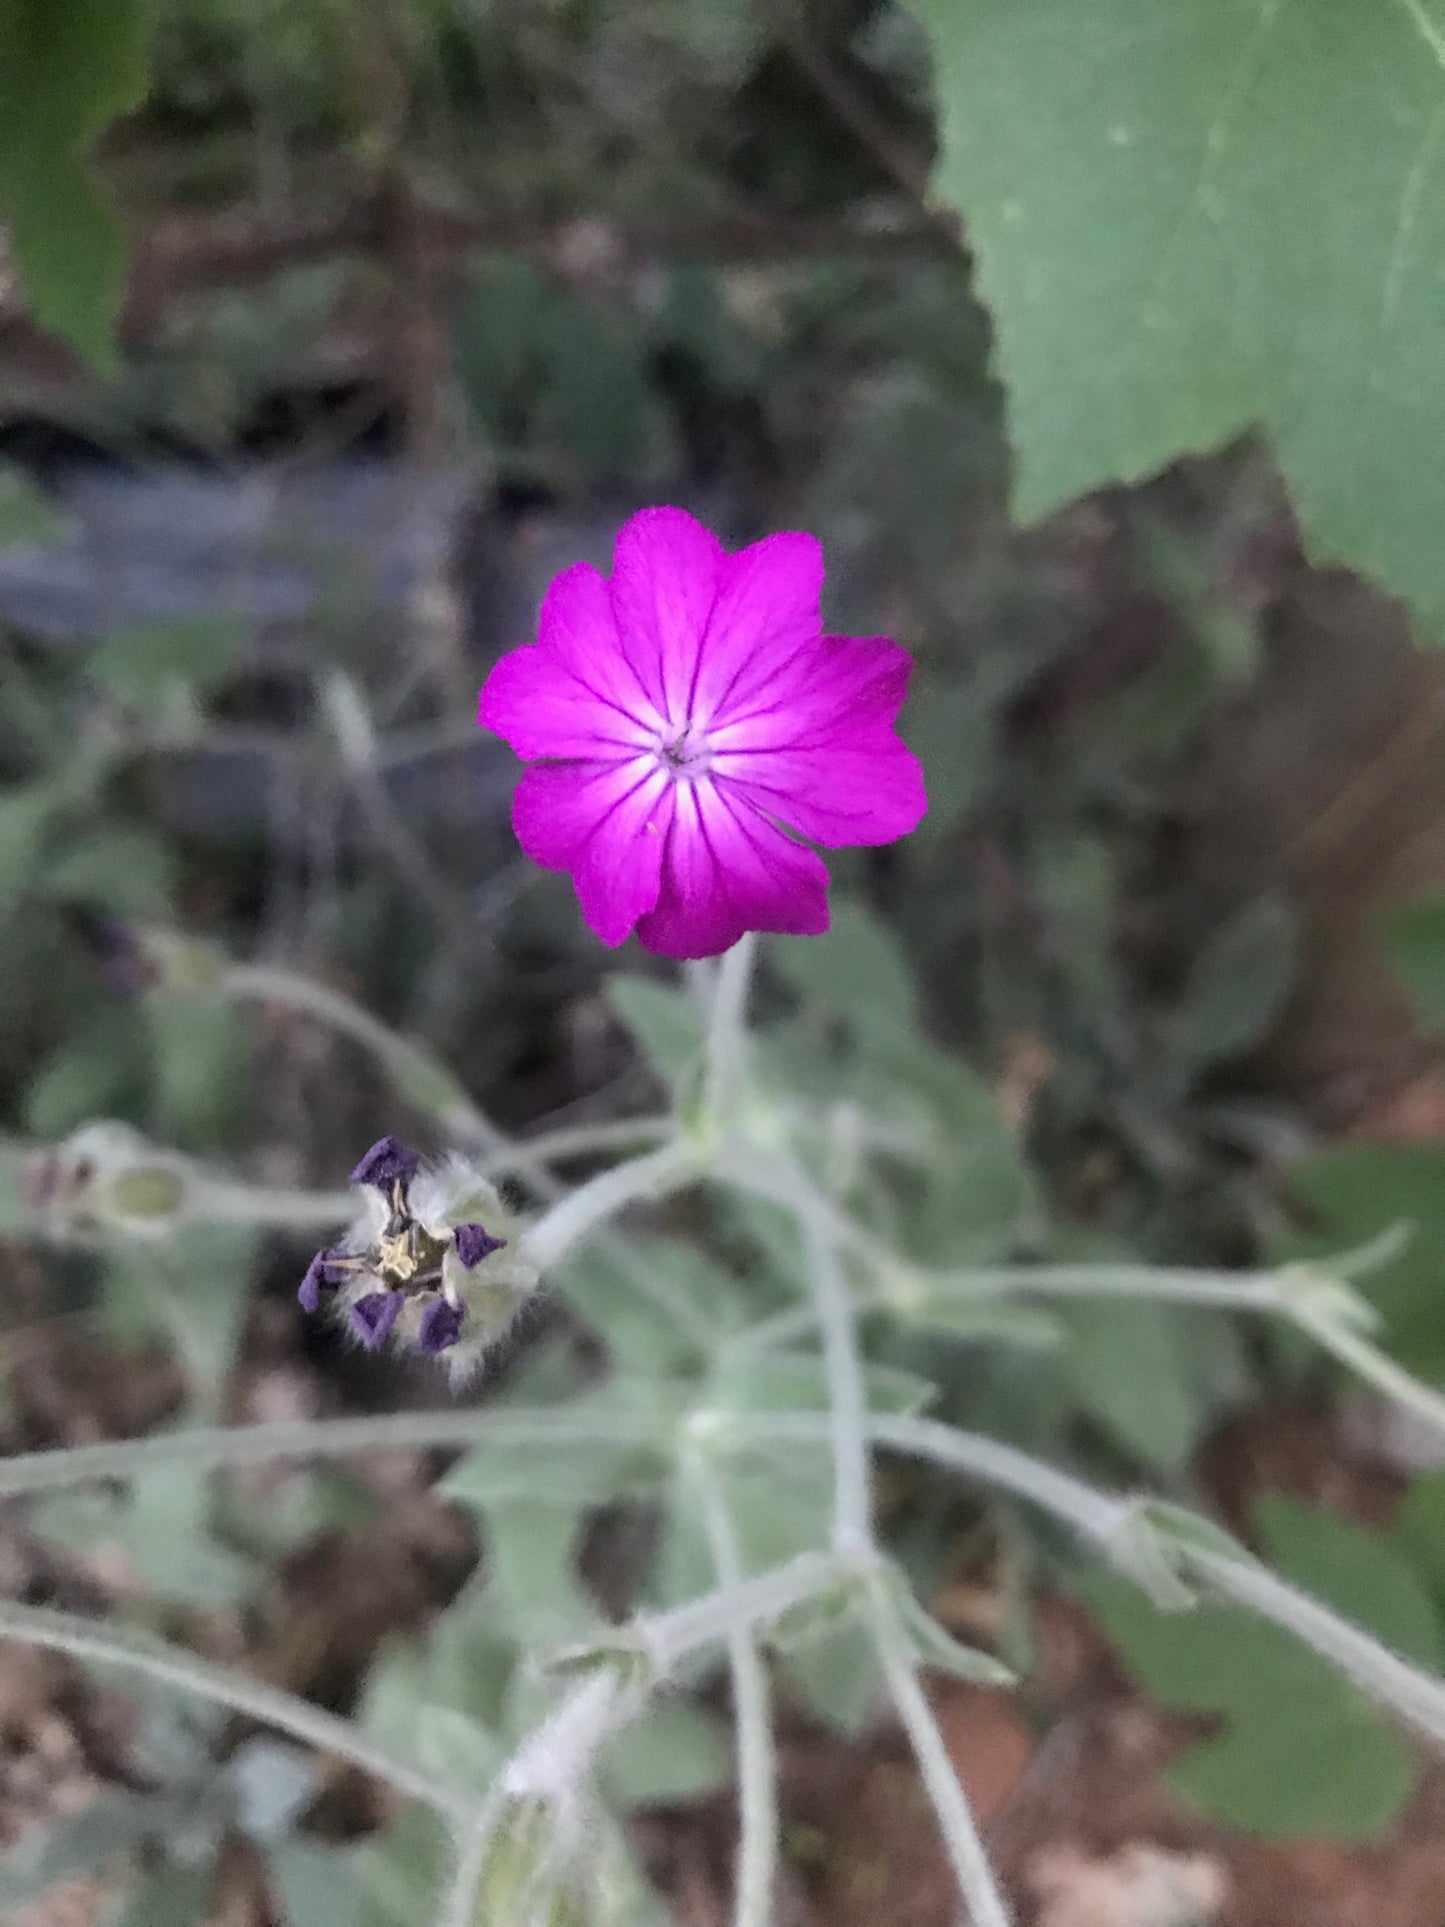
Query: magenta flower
(690, 726)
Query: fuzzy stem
(725, 1069)
(956, 1823)
(174, 1667)
(210, 1448)
(219, 1201)
(848, 1402)
(576, 1141)
(757, 1765)
(1414, 1696)
(666, 1169)
(422, 1079)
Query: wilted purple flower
(441, 1326)
(419, 1265)
(389, 1162)
(474, 1242)
(373, 1316)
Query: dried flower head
(431, 1260)
(689, 725)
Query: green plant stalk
(986, 1905)
(725, 1065)
(853, 1538)
(848, 1401)
(654, 1174)
(418, 1076)
(174, 1667)
(1415, 1697)
(576, 1141)
(758, 1830)
(218, 1201)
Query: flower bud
(107, 1178)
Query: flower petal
(373, 1316)
(827, 697)
(441, 1326)
(665, 572)
(607, 824)
(387, 1163)
(727, 871)
(534, 701)
(765, 614)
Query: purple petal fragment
(372, 1317)
(321, 1275)
(474, 1242)
(388, 1162)
(441, 1326)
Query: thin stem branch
(758, 1831)
(211, 1448)
(172, 1666)
(1376, 1368)
(1415, 1696)
(576, 1141)
(725, 1070)
(219, 1201)
(572, 1217)
(848, 1401)
(418, 1076)
(986, 1905)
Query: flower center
(683, 754)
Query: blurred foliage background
(326, 335)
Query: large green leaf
(1302, 1751)
(1194, 219)
(66, 71)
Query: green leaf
(170, 1897)
(1347, 1197)
(664, 1023)
(1130, 1368)
(1418, 1531)
(1195, 219)
(70, 1846)
(673, 1752)
(87, 1076)
(124, 872)
(316, 1886)
(935, 1648)
(1415, 937)
(857, 971)
(65, 73)
(798, 1382)
(139, 666)
(1303, 1752)
(201, 1056)
(162, 1525)
(401, 1871)
(26, 515)
(1357, 1572)
(26, 814)
(465, 1665)
(1235, 990)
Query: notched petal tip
(474, 1242)
(388, 1162)
(373, 1316)
(441, 1326)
